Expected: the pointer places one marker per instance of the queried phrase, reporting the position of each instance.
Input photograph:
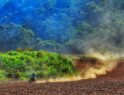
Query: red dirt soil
(110, 84)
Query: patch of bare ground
(110, 84)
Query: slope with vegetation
(40, 24)
(21, 64)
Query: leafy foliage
(44, 64)
(62, 25)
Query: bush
(39, 54)
(2, 75)
(44, 64)
(12, 53)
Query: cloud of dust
(107, 63)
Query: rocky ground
(111, 84)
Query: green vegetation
(90, 24)
(21, 64)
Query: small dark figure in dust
(32, 78)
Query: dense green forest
(66, 26)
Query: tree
(13, 36)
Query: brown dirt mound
(116, 74)
(111, 84)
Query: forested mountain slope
(73, 26)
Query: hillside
(111, 84)
(41, 24)
(71, 47)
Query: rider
(32, 78)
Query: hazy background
(66, 26)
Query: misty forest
(40, 35)
(69, 26)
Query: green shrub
(39, 54)
(2, 75)
(12, 53)
(44, 64)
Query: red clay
(111, 84)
